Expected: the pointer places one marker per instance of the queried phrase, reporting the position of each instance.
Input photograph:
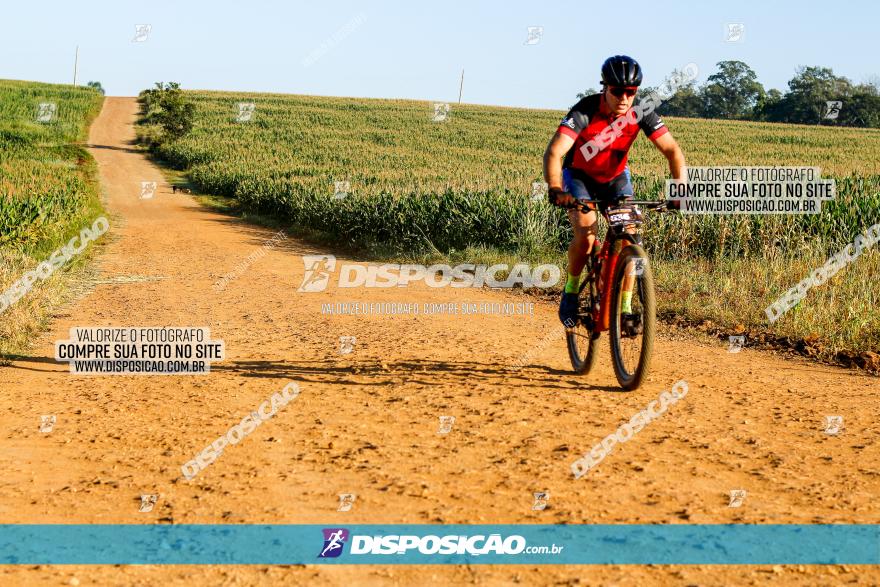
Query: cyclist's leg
(584, 228)
(583, 225)
(622, 186)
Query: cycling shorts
(585, 188)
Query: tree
(860, 109)
(97, 86)
(809, 89)
(768, 106)
(870, 86)
(686, 102)
(732, 91)
(167, 106)
(587, 92)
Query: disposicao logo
(334, 540)
(317, 275)
(319, 268)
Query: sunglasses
(618, 91)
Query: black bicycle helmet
(621, 70)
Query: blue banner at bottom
(728, 544)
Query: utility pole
(75, 65)
(461, 86)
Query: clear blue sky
(416, 49)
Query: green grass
(448, 185)
(48, 192)
(841, 315)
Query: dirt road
(366, 422)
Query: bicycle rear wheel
(583, 342)
(632, 334)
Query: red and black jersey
(590, 118)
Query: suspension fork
(608, 256)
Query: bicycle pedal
(630, 325)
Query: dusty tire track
(366, 423)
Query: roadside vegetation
(48, 192)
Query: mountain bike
(617, 265)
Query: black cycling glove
(553, 194)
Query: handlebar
(655, 205)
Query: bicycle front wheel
(582, 337)
(632, 333)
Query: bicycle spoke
(633, 331)
(580, 339)
(631, 346)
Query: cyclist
(578, 168)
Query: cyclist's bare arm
(670, 149)
(557, 148)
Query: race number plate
(622, 216)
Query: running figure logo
(541, 498)
(346, 344)
(637, 266)
(735, 343)
(141, 32)
(47, 423)
(534, 35)
(148, 188)
(46, 111)
(441, 112)
(735, 32)
(833, 424)
(737, 497)
(832, 109)
(334, 540)
(318, 270)
(539, 191)
(245, 111)
(341, 189)
(346, 502)
(147, 503)
(446, 423)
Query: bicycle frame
(608, 261)
(608, 258)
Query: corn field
(42, 183)
(422, 184)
